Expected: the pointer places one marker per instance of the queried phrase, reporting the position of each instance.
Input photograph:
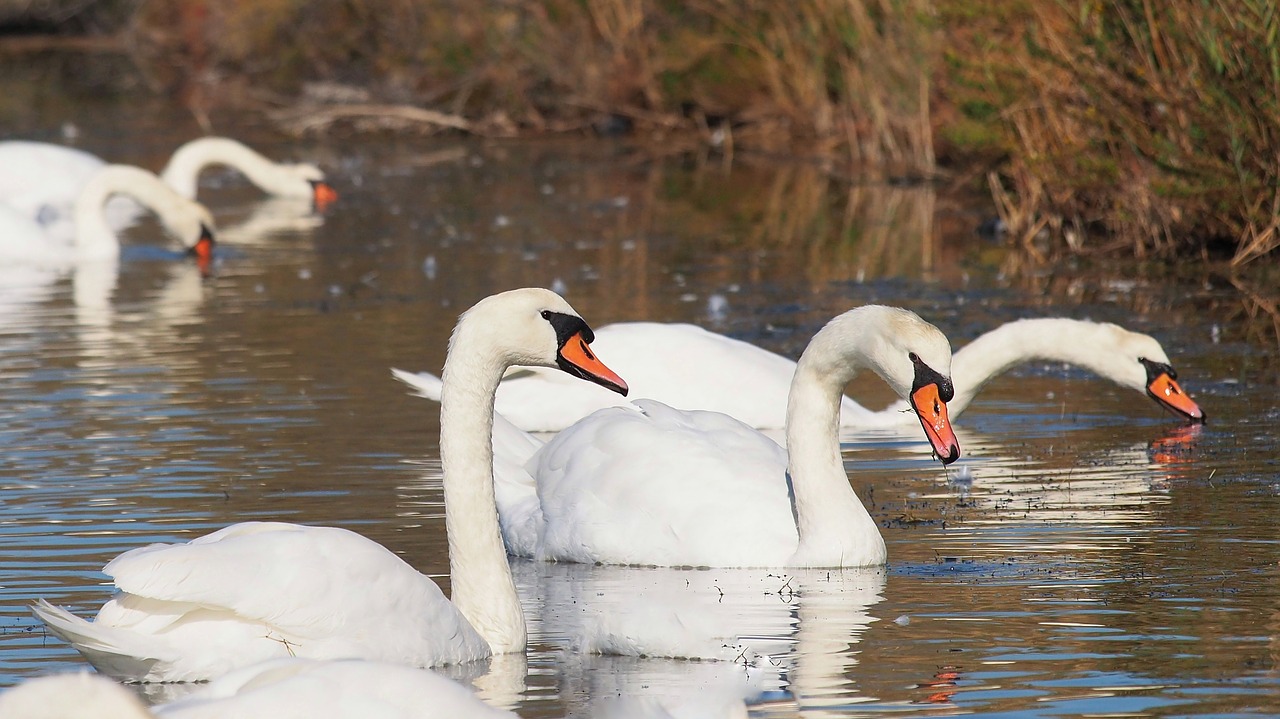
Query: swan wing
(259, 590)
(658, 486)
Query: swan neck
(834, 527)
(182, 173)
(94, 237)
(483, 587)
(1011, 344)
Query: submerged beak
(1166, 392)
(323, 194)
(202, 250)
(932, 411)
(576, 358)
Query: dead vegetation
(1147, 127)
(1140, 127)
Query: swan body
(26, 241)
(195, 611)
(686, 366)
(42, 180)
(260, 590)
(653, 485)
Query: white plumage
(90, 236)
(42, 181)
(260, 590)
(689, 367)
(653, 485)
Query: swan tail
(423, 384)
(107, 649)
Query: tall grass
(846, 81)
(1150, 127)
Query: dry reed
(1144, 126)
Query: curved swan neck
(94, 238)
(1055, 339)
(834, 527)
(182, 173)
(483, 588)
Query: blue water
(1088, 556)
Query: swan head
(923, 348)
(534, 327)
(913, 357)
(304, 181)
(1138, 361)
(194, 227)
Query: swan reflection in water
(27, 290)
(699, 638)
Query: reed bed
(1152, 127)
(1141, 127)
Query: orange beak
(1164, 390)
(932, 412)
(202, 250)
(323, 195)
(577, 359)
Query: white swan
(43, 180)
(666, 487)
(256, 590)
(296, 180)
(25, 241)
(689, 367)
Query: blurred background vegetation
(1148, 128)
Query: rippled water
(1089, 555)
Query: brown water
(1088, 556)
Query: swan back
(284, 180)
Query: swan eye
(546, 314)
(915, 358)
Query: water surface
(1089, 555)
